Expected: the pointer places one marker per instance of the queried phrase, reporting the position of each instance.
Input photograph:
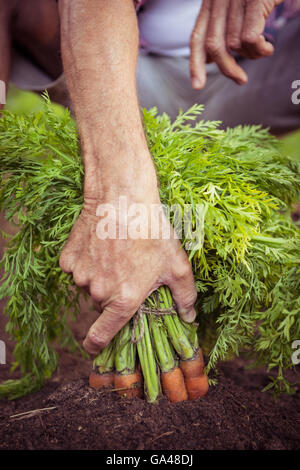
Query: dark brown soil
(233, 415)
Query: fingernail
(243, 79)
(242, 82)
(197, 83)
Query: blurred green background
(23, 102)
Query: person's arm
(99, 41)
(229, 25)
(5, 44)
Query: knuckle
(80, 278)
(96, 291)
(249, 38)
(233, 42)
(66, 262)
(127, 298)
(181, 271)
(195, 37)
(213, 47)
(125, 303)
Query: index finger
(197, 47)
(216, 46)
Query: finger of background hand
(216, 46)
(235, 24)
(197, 46)
(254, 22)
(105, 328)
(262, 48)
(183, 290)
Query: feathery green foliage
(246, 270)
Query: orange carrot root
(173, 385)
(98, 381)
(193, 367)
(196, 386)
(132, 383)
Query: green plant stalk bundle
(245, 260)
(167, 335)
(160, 338)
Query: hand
(120, 274)
(224, 25)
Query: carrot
(127, 377)
(173, 385)
(98, 381)
(196, 382)
(193, 367)
(130, 383)
(197, 386)
(102, 375)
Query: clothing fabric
(166, 26)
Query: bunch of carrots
(155, 352)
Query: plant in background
(246, 270)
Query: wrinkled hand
(224, 25)
(120, 273)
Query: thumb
(106, 327)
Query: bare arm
(5, 44)
(99, 48)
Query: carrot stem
(152, 387)
(164, 352)
(125, 356)
(190, 330)
(104, 362)
(174, 325)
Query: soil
(233, 415)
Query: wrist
(131, 174)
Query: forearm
(4, 45)
(99, 49)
